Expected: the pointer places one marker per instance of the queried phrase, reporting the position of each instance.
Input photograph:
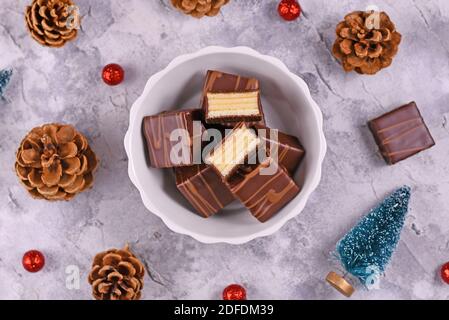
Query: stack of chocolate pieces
(252, 163)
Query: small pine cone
(55, 162)
(116, 275)
(52, 22)
(362, 47)
(199, 8)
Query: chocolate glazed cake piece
(229, 99)
(401, 133)
(236, 148)
(290, 152)
(263, 195)
(203, 188)
(157, 130)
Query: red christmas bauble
(445, 272)
(289, 9)
(113, 74)
(234, 292)
(33, 261)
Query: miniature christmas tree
(365, 251)
(5, 76)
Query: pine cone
(116, 275)
(199, 8)
(366, 50)
(55, 162)
(51, 23)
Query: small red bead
(445, 272)
(33, 261)
(113, 74)
(234, 292)
(289, 9)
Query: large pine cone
(116, 275)
(55, 162)
(199, 8)
(366, 50)
(50, 22)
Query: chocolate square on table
(228, 99)
(203, 188)
(157, 130)
(237, 148)
(263, 194)
(401, 133)
(290, 152)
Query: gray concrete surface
(144, 36)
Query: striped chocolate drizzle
(196, 199)
(201, 191)
(159, 139)
(261, 205)
(270, 198)
(401, 134)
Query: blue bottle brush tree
(365, 251)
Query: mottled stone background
(144, 36)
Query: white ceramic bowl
(288, 106)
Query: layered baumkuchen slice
(228, 99)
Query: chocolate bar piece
(401, 133)
(158, 130)
(263, 194)
(289, 150)
(233, 150)
(203, 188)
(230, 98)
